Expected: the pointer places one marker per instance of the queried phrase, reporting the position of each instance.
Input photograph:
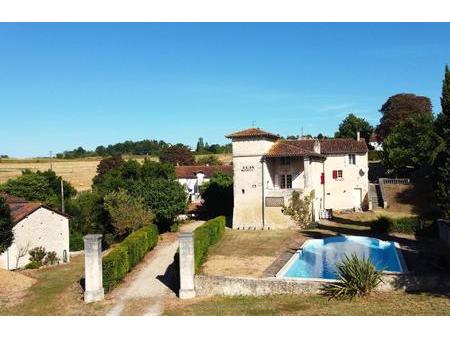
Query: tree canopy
(153, 181)
(6, 228)
(43, 186)
(351, 125)
(410, 144)
(127, 213)
(218, 195)
(178, 154)
(399, 108)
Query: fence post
(93, 272)
(187, 265)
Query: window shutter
(334, 174)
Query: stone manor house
(267, 169)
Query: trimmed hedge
(207, 235)
(115, 267)
(407, 225)
(127, 255)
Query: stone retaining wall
(247, 286)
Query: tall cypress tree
(442, 161)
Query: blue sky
(65, 85)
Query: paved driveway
(154, 280)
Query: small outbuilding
(35, 225)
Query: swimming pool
(317, 258)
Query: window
(351, 159)
(285, 181)
(337, 174)
(289, 181)
(285, 160)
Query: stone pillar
(93, 272)
(187, 265)
(307, 173)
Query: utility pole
(62, 196)
(51, 157)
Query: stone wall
(246, 286)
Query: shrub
(207, 235)
(175, 227)
(37, 255)
(375, 155)
(76, 242)
(33, 265)
(51, 258)
(357, 277)
(127, 255)
(385, 224)
(300, 209)
(115, 267)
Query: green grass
(57, 292)
(389, 304)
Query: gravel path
(154, 282)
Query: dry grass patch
(57, 291)
(247, 253)
(386, 304)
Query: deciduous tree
(218, 195)
(128, 213)
(410, 144)
(399, 108)
(351, 125)
(178, 154)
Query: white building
(192, 177)
(35, 225)
(267, 169)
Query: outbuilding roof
(190, 171)
(21, 208)
(252, 132)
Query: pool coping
(283, 270)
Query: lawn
(386, 304)
(248, 253)
(56, 292)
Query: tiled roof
(342, 146)
(190, 171)
(21, 210)
(288, 148)
(13, 199)
(253, 132)
(306, 147)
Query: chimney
(358, 136)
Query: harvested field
(79, 172)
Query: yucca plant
(357, 278)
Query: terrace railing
(395, 180)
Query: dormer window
(285, 160)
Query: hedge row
(124, 257)
(385, 224)
(207, 235)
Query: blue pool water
(318, 257)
